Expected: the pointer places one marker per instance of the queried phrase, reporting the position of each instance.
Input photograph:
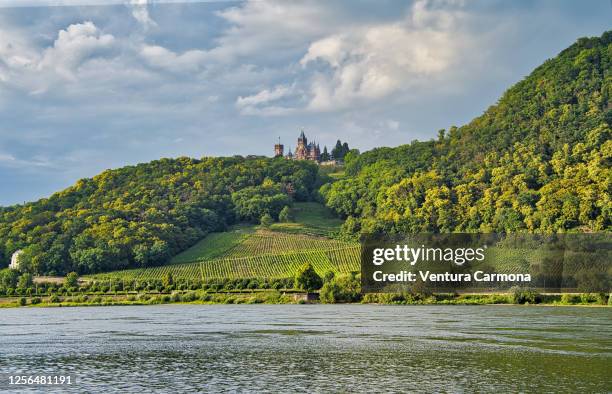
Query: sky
(85, 87)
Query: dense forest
(140, 216)
(538, 161)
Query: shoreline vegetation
(201, 297)
(306, 286)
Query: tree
(266, 220)
(343, 288)
(306, 278)
(9, 278)
(337, 151)
(285, 215)
(72, 279)
(325, 155)
(25, 281)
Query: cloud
(375, 61)
(258, 104)
(188, 61)
(140, 12)
(76, 44)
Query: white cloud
(140, 12)
(6, 157)
(73, 46)
(270, 28)
(263, 97)
(261, 102)
(375, 61)
(163, 58)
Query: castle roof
(302, 134)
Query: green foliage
(306, 278)
(537, 161)
(340, 150)
(72, 279)
(252, 203)
(140, 216)
(343, 288)
(25, 281)
(328, 276)
(312, 219)
(9, 278)
(285, 215)
(266, 220)
(168, 279)
(525, 296)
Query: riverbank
(277, 297)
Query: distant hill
(141, 216)
(538, 161)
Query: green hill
(141, 216)
(249, 251)
(538, 161)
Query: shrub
(189, 297)
(523, 296)
(72, 279)
(36, 300)
(266, 220)
(306, 278)
(569, 299)
(328, 276)
(285, 215)
(55, 298)
(587, 298)
(23, 301)
(343, 288)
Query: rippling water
(313, 348)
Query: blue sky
(85, 87)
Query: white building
(15, 260)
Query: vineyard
(248, 253)
(263, 266)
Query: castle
(303, 151)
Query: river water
(312, 348)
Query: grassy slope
(214, 245)
(310, 218)
(247, 251)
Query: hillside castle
(303, 151)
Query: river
(311, 348)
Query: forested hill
(140, 216)
(538, 161)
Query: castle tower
(279, 149)
(301, 151)
(302, 139)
